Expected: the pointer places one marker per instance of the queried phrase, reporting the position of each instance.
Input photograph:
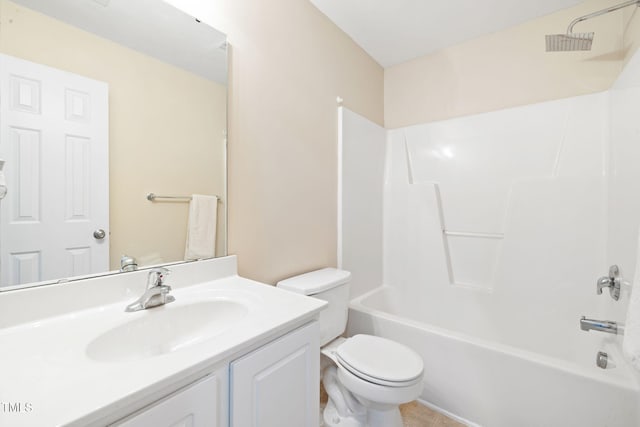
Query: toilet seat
(380, 361)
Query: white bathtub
(492, 384)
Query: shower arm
(602, 12)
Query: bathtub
(482, 382)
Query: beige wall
(162, 124)
(509, 68)
(289, 62)
(631, 31)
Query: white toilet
(366, 377)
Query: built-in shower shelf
(472, 234)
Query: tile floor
(417, 415)
(413, 415)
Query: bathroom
(302, 92)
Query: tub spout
(598, 325)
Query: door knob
(99, 234)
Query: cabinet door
(194, 406)
(278, 384)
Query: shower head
(569, 42)
(580, 41)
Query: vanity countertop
(56, 371)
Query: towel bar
(152, 197)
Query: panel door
(54, 133)
(278, 384)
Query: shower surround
(491, 231)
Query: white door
(54, 136)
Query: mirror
(107, 101)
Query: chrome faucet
(156, 293)
(598, 325)
(128, 263)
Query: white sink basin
(165, 329)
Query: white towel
(631, 340)
(201, 230)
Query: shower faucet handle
(612, 282)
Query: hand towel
(631, 340)
(201, 230)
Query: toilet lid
(380, 360)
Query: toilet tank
(328, 284)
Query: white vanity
(228, 352)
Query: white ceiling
(152, 27)
(395, 31)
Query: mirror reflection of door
(54, 139)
